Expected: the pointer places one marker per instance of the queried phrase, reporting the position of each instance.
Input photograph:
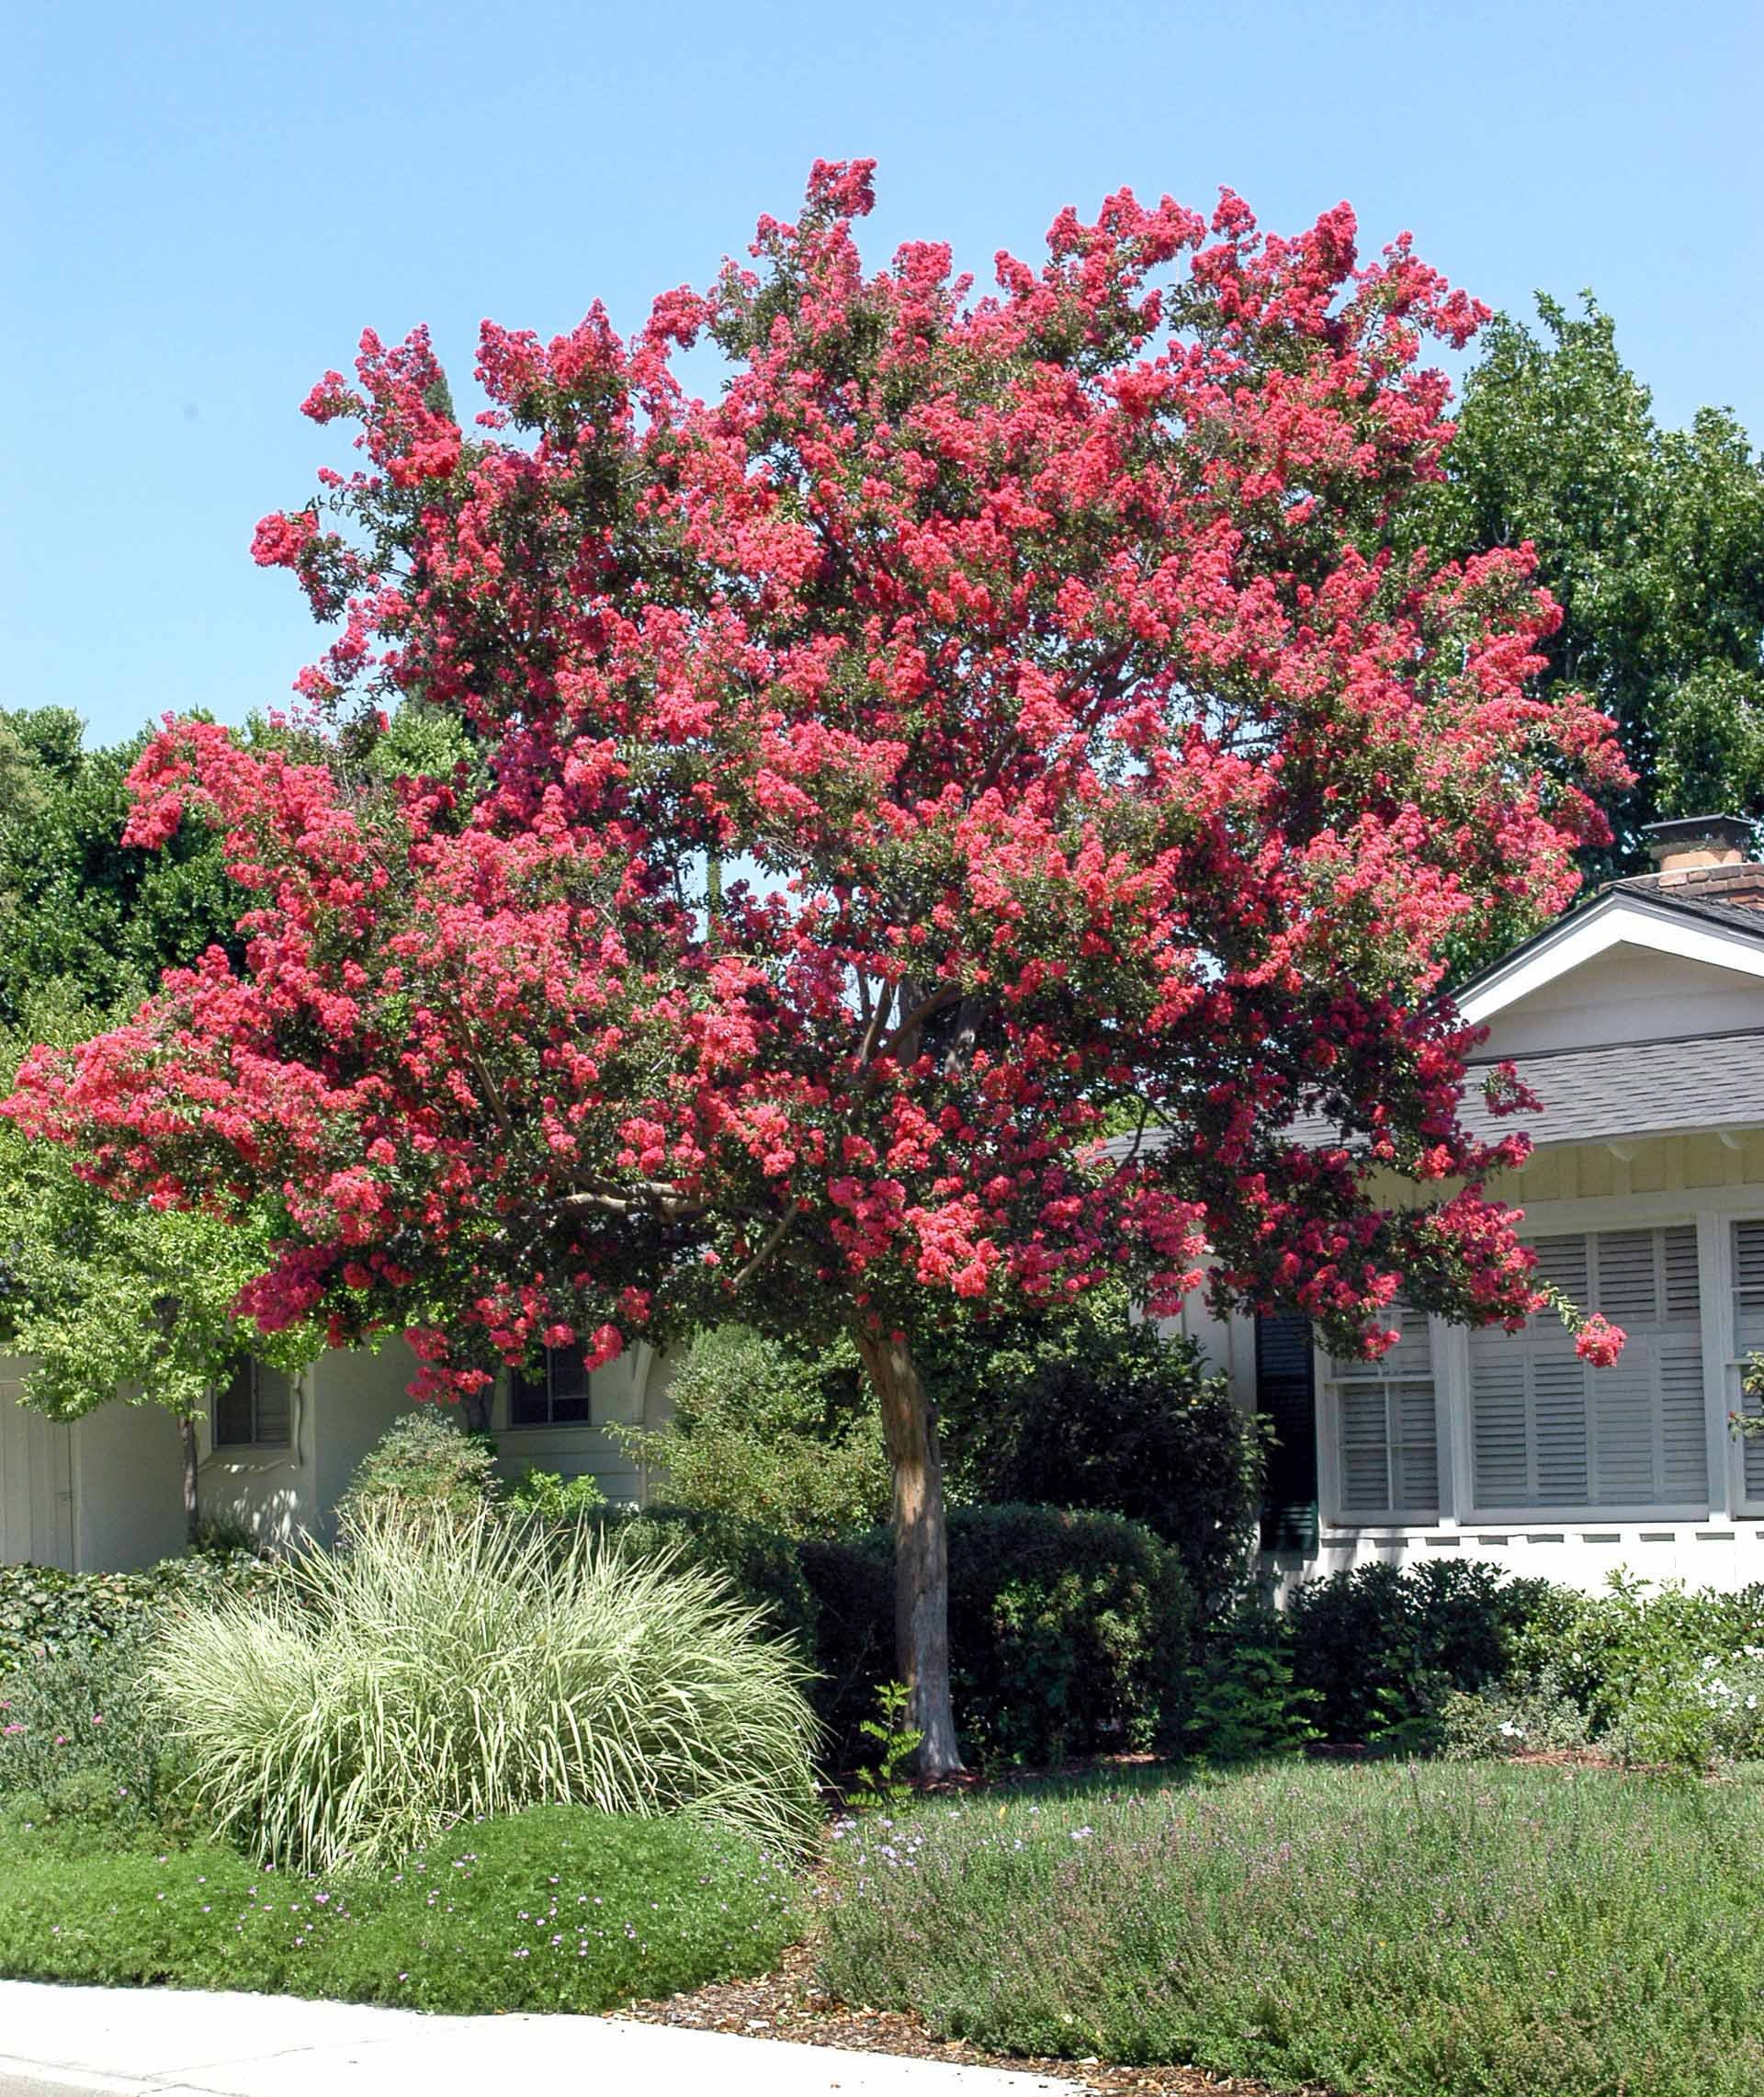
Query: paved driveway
(116, 2042)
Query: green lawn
(1449, 1931)
(559, 1908)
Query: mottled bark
(920, 1549)
(192, 1503)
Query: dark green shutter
(1286, 1394)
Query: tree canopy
(101, 1294)
(1030, 648)
(1650, 540)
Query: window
(1386, 1435)
(253, 1409)
(559, 1397)
(1550, 1432)
(1749, 1335)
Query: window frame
(1571, 1514)
(521, 1389)
(254, 1369)
(1332, 1378)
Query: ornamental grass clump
(420, 1678)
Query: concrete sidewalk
(121, 2042)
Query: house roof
(1701, 1082)
(1631, 1088)
(1696, 922)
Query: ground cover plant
(559, 1909)
(1382, 1931)
(437, 1672)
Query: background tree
(1025, 645)
(107, 1297)
(1651, 540)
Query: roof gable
(1711, 934)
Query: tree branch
(775, 1237)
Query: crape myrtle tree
(1069, 766)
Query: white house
(1639, 1021)
(105, 1493)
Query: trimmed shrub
(1381, 1648)
(560, 1909)
(1069, 1633)
(1246, 1703)
(433, 1675)
(44, 1612)
(423, 1468)
(1088, 1407)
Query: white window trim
(1711, 1214)
(1333, 1516)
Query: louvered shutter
(1286, 1394)
(1550, 1432)
(1386, 1436)
(1749, 1338)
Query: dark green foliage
(1070, 1631)
(45, 1612)
(1088, 1408)
(640, 1907)
(81, 908)
(1652, 540)
(1380, 1648)
(1246, 1703)
(770, 1433)
(1427, 1932)
(422, 1469)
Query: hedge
(44, 1612)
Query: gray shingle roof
(1635, 1088)
(1629, 1088)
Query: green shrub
(79, 1734)
(1088, 1407)
(1506, 1719)
(435, 1673)
(766, 1434)
(423, 1468)
(548, 1496)
(1674, 1676)
(1245, 1701)
(1069, 1633)
(560, 1909)
(1424, 1932)
(761, 1565)
(1381, 1648)
(44, 1612)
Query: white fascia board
(1618, 922)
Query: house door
(35, 1481)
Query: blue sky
(206, 203)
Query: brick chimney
(1705, 858)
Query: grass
(445, 1672)
(1437, 1932)
(560, 1909)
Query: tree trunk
(920, 1549)
(192, 1504)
